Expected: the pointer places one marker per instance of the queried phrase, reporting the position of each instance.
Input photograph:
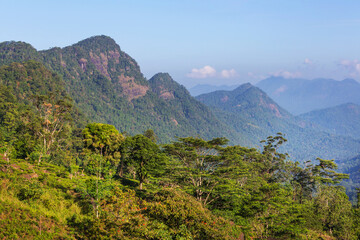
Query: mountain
(60, 182)
(186, 115)
(300, 96)
(340, 120)
(254, 115)
(108, 86)
(247, 109)
(207, 88)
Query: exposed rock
(131, 90)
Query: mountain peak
(246, 98)
(243, 88)
(99, 39)
(165, 87)
(98, 42)
(342, 119)
(12, 51)
(350, 81)
(208, 88)
(161, 77)
(15, 43)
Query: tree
(53, 119)
(102, 138)
(9, 121)
(199, 160)
(104, 142)
(325, 173)
(334, 211)
(253, 191)
(150, 134)
(146, 157)
(96, 189)
(273, 161)
(302, 181)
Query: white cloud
(228, 73)
(256, 76)
(280, 89)
(352, 66)
(357, 67)
(307, 61)
(286, 74)
(205, 72)
(348, 63)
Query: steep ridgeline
(300, 96)
(247, 110)
(207, 88)
(184, 114)
(108, 86)
(340, 120)
(254, 115)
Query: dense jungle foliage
(63, 177)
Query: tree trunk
(121, 171)
(97, 210)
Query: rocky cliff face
(99, 57)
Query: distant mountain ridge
(299, 96)
(340, 120)
(207, 88)
(255, 116)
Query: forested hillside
(339, 120)
(63, 178)
(108, 86)
(254, 115)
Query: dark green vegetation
(254, 115)
(301, 96)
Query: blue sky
(203, 41)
